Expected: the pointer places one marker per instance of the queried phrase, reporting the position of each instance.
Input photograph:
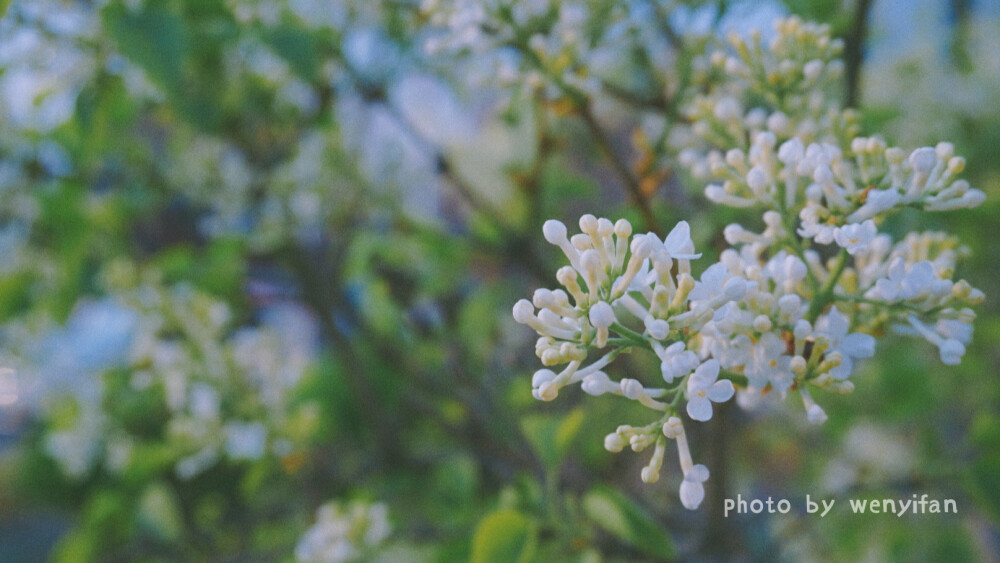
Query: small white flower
(703, 388)
(856, 237)
(693, 488)
(245, 440)
(877, 201)
(677, 361)
(711, 284)
(343, 533)
(679, 244)
(951, 352)
(905, 283)
(768, 364)
(834, 326)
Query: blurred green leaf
(984, 472)
(15, 293)
(296, 47)
(627, 521)
(552, 435)
(504, 536)
(159, 512)
(153, 38)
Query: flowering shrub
(788, 309)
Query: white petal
(858, 345)
(815, 414)
(699, 408)
(697, 473)
(678, 238)
(692, 493)
(714, 275)
(706, 374)
(834, 324)
(781, 381)
(722, 391)
(886, 289)
(843, 371)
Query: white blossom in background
(177, 345)
(344, 532)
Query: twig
(854, 52)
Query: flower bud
(523, 311)
(923, 160)
(554, 231)
(614, 443)
(601, 315)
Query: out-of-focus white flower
(344, 532)
(834, 327)
(245, 440)
(856, 237)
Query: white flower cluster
(344, 532)
(198, 371)
(559, 47)
(617, 281)
(767, 317)
(549, 38)
(175, 349)
(787, 309)
(791, 78)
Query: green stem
(738, 379)
(891, 306)
(631, 336)
(825, 295)
(793, 243)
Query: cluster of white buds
(840, 197)
(621, 291)
(799, 56)
(769, 316)
(792, 76)
(344, 533)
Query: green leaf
(552, 435)
(983, 477)
(297, 48)
(504, 536)
(159, 512)
(623, 518)
(154, 39)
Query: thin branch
(625, 174)
(854, 49)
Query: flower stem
(631, 336)
(825, 295)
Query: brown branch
(854, 52)
(625, 174)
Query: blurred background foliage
(261, 255)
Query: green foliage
(983, 476)
(551, 436)
(621, 517)
(504, 536)
(156, 38)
